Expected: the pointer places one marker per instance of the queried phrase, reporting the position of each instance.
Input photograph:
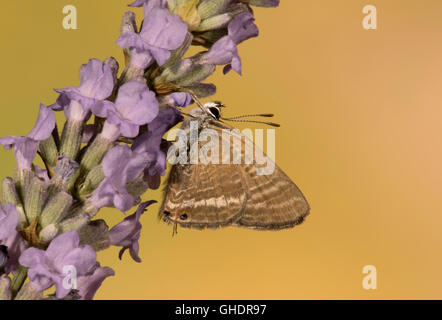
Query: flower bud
(95, 153)
(95, 234)
(185, 73)
(211, 8)
(92, 181)
(65, 175)
(49, 151)
(22, 179)
(74, 223)
(114, 66)
(215, 22)
(48, 233)
(138, 186)
(10, 195)
(73, 131)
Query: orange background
(361, 120)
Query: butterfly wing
(204, 195)
(273, 200)
(217, 195)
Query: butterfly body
(208, 195)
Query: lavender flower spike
(120, 166)
(224, 51)
(161, 32)
(47, 268)
(135, 106)
(126, 233)
(25, 148)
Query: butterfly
(211, 195)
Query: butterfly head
(213, 109)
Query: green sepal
(48, 233)
(95, 234)
(55, 209)
(92, 181)
(211, 8)
(34, 199)
(10, 195)
(49, 153)
(94, 154)
(71, 138)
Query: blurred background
(360, 113)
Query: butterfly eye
(183, 216)
(215, 112)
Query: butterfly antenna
(192, 94)
(267, 115)
(196, 99)
(272, 124)
(187, 114)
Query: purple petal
(41, 173)
(128, 129)
(9, 142)
(89, 132)
(16, 245)
(222, 51)
(162, 29)
(123, 201)
(102, 108)
(104, 195)
(130, 40)
(136, 104)
(134, 250)
(63, 244)
(88, 285)
(8, 220)
(236, 64)
(242, 27)
(25, 150)
(122, 164)
(127, 232)
(138, 3)
(181, 99)
(61, 102)
(160, 55)
(149, 4)
(113, 162)
(141, 59)
(44, 126)
(97, 80)
(31, 257)
(83, 258)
